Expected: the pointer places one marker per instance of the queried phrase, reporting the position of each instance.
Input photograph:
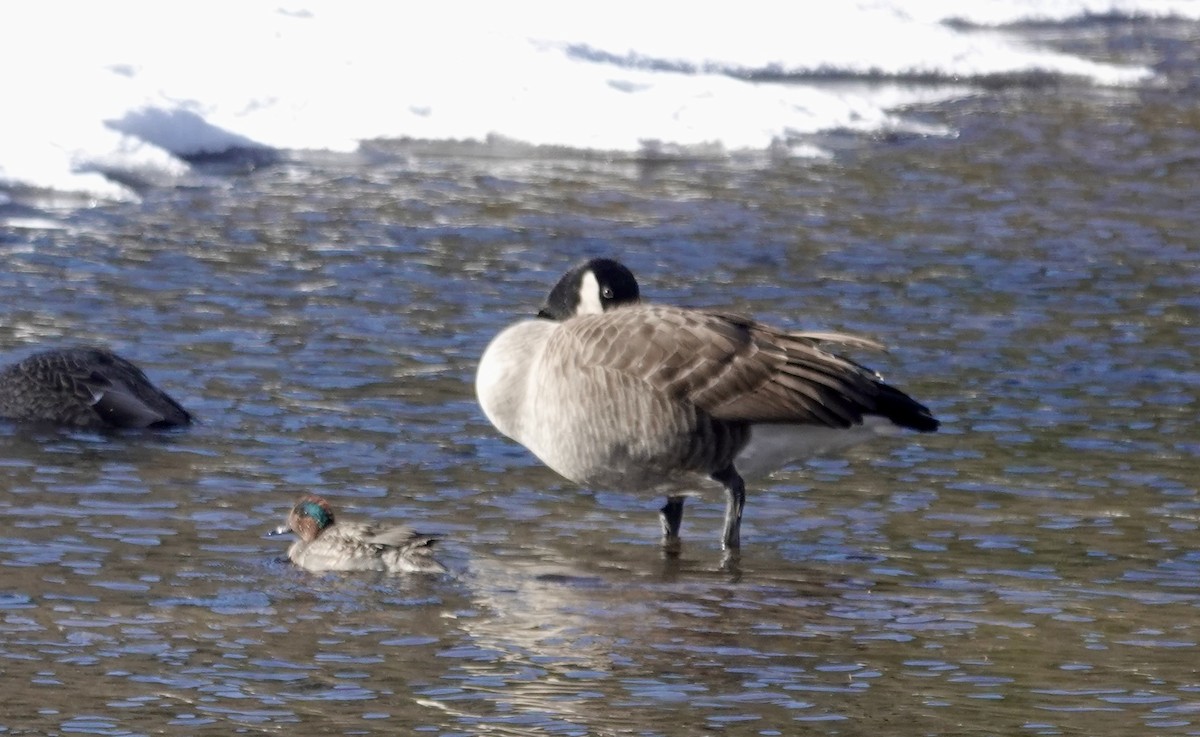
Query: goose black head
(595, 286)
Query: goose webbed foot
(731, 563)
(671, 516)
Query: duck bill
(281, 530)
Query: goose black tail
(904, 410)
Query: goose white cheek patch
(589, 296)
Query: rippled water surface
(1032, 569)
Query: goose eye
(606, 293)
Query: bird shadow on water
(37, 439)
(632, 572)
(619, 620)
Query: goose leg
(671, 516)
(735, 500)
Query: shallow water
(1031, 569)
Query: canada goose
(612, 392)
(88, 387)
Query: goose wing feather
(730, 367)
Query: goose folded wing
(729, 367)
